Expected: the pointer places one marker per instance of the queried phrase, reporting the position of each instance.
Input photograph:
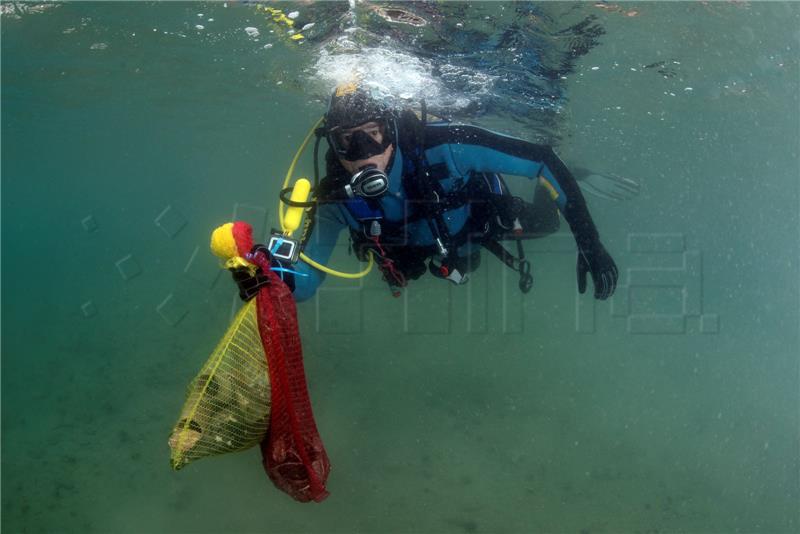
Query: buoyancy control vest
(493, 215)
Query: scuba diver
(420, 196)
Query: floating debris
(400, 16)
(15, 10)
(199, 27)
(252, 32)
(98, 46)
(284, 22)
(614, 8)
(662, 68)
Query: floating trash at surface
(400, 16)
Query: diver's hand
(595, 259)
(249, 282)
(251, 278)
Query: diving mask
(362, 142)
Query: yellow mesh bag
(228, 403)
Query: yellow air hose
(282, 214)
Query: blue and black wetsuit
(453, 155)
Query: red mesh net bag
(292, 453)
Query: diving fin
(606, 186)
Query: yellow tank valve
(294, 214)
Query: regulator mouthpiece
(368, 182)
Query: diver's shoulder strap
(411, 133)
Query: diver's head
(361, 130)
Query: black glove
(595, 259)
(248, 283)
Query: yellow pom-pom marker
(231, 241)
(223, 245)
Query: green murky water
(128, 134)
